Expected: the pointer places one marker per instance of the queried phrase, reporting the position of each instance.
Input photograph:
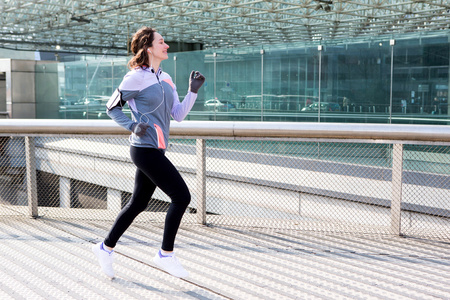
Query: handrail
(434, 133)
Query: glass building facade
(381, 80)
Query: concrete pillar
(22, 103)
(64, 192)
(114, 200)
(2, 94)
(18, 88)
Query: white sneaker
(105, 259)
(171, 265)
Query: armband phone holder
(115, 100)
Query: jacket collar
(157, 72)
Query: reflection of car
(63, 102)
(93, 100)
(86, 107)
(216, 104)
(324, 106)
(68, 100)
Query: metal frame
(105, 26)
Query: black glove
(139, 129)
(195, 81)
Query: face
(158, 48)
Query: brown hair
(142, 40)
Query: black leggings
(153, 170)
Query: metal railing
(376, 178)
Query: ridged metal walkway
(51, 259)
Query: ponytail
(141, 41)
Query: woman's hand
(196, 80)
(139, 129)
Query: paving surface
(51, 259)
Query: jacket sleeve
(181, 109)
(120, 118)
(129, 88)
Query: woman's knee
(136, 206)
(182, 197)
(188, 198)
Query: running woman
(153, 100)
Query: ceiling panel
(101, 26)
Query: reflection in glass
(278, 83)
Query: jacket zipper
(164, 100)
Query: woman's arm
(129, 88)
(120, 118)
(181, 109)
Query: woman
(153, 99)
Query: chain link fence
(326, 185)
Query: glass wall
(85, 86)
(421, 78)
(381, 80)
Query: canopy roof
(97, 26)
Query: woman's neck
(154, 63)
(155, 67)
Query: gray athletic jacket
(153, 99)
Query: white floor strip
(51, 259)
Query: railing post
(201, 181)
(31, 176)
(397, 179)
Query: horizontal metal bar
(399, 132)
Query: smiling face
(158, 48)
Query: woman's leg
(142, 193)
(143, 190)
(155, 165)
